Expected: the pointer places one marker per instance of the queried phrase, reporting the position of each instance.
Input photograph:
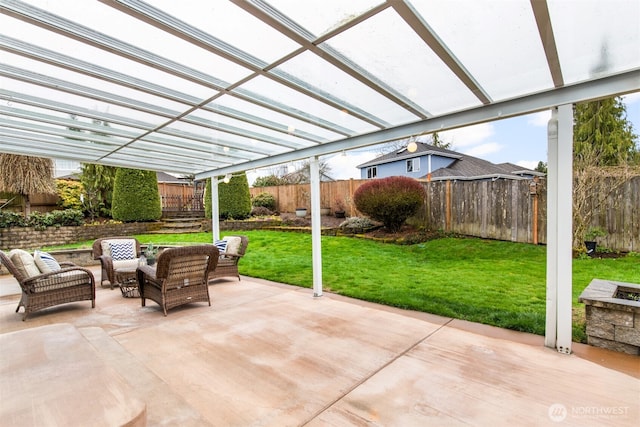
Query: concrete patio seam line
(373, 373)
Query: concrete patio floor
(267, 354)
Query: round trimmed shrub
(265, 200)
(390, 200)
(234, 198)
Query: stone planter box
(613, 320)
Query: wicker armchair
(102, 252)
(228, 262)
(179, 277)
(69, 284)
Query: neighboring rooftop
(464, 167)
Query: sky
(521, 140)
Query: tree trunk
(27, 205)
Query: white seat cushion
(125, 263)
(24, 262)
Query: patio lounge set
(180, 276)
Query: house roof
(463, 166)
(421, 150)
(168, 178)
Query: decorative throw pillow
(221, 245)
(233, 244)
(120, 251)
(45, 262)
(24, 262)
(105, 245)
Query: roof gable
(463, 166)
(421, 151)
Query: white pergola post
(558, 330)
(316, 225)
(215, 210)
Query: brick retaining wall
(30, 238)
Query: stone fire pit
(613, 315)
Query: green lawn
(487, 281)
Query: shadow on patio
(272, 355)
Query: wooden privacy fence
(501, 209)
(290, 197)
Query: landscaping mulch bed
(407, 235)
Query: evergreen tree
(542, 167)
(436, 141)
(234, 198)
(269, 181)
(605, 157)
(98, 181)
(602, 134)
(136, 196)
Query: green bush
(11, 219)
(269, 181)
(390, 200)
(207, 199)
(40, 221)
(265, 200)
(135, 196)
(67, 217)
(98, 182)
(234, 198)
(69, 192)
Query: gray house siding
(445, 165)
(399, 167)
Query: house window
(413, 165)
(372, 172)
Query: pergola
(213, 87)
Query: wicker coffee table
(126, 278)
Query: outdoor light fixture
(412, 147)
(227, 178)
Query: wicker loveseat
(66, 283)
(232, 249)
(179, 277)
(110, 263)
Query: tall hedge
(234, 198)
(135, 196)
(390, 200)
